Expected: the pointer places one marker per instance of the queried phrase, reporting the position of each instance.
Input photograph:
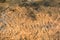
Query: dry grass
(26, 23)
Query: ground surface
(29, 21)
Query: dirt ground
(29, 21)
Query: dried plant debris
(1, 8)
(35, 35)
(25, 38)
(31, 15)
(46, 4)
(2, 24)
(33, 2)
(2, 1)
(36, 3)
(48, 26)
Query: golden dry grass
(17, 24)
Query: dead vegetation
(30, 20)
